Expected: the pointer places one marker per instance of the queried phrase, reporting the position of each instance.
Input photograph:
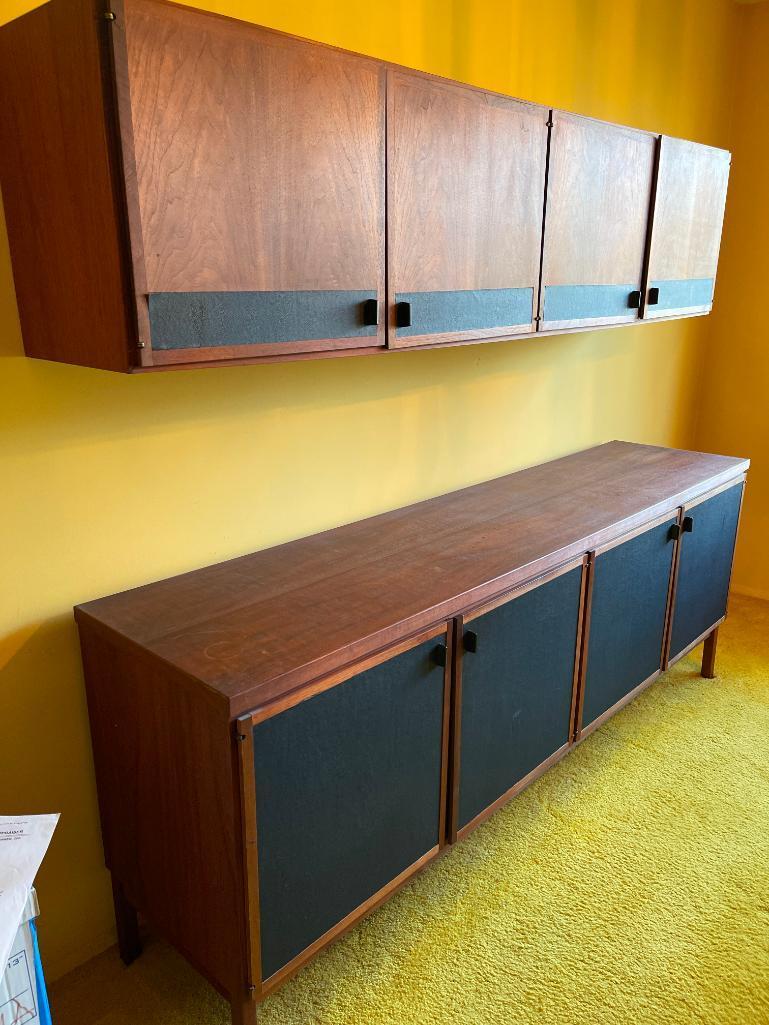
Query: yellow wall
(110, 481)
(733, 412)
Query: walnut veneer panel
(466, 172)
(259, 157)
(688, 217)
(598, 200)
(256, 627)
(60, 182)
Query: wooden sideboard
(283, 740)
(183, 189)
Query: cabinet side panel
(705, 567)
(64, 222)
(170, 825)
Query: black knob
(634, 300)
(403, 314)
(688, 524)
(470, 641)
(653, 297)
(438, 655)
(371, 312)
(675, 532)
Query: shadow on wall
(47, 766)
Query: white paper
(18, 987)
(24, 840)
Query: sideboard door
(255, 168)
(596, 220)
(628, 611)
(349, 790)
(705, 567)
(517, 681)
(466, 183)
(686, 229)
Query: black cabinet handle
(634, 300)
(438, 655)
(370, 312)
(470, 641)
(675, 532)
(688, 524)
(403, 314)
(654, 297)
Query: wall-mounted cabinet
(183, 189)
(310, 740)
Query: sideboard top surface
(254, 628)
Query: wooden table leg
(709, 655)
(244, 1011)
(128, 938)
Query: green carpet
(629, 885)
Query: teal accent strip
(43, 1007)
(196, 320)
(587, 302)
(680, 295)
(472, 310)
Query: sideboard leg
(128, 938)
(243, 1011)
(709, 655)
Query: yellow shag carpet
(628, 886)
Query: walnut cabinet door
(686, 230)
(466, 177)
(597, 216)
(255, 171)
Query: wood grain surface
(688, 213)
(61, 187)
(599, 188)
(170, 818)
(255, 628)
(466, 177)
(259, 157)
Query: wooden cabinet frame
(180, 672)
(70, 185)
